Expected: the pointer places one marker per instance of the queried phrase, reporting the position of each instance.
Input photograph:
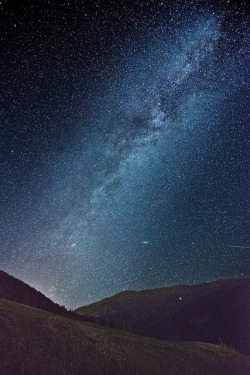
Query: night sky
(123, 144)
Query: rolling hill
(216, 312)
(33, 341)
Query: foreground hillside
(210, 312)
(37, 342)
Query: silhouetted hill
(16, 290)
(210, 312)
(37, 342)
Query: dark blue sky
(124, 145)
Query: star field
(123, 145)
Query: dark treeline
(16, 290)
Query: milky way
(124, 158)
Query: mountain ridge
(214, 312)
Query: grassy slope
(37, 342)
(207, 312)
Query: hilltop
(215, 312)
